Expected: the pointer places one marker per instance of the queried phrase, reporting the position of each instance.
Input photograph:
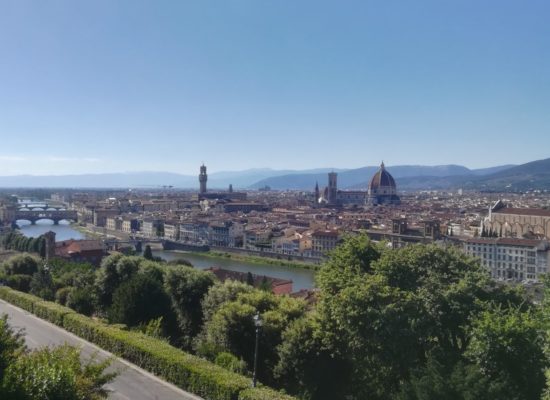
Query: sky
(112, 86)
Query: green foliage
(21, 264)
(263, 393)
(18, 282)
(232, 329)
(230, 363)
(51, 311)
(148, 253)
(42, 284)
(186, 288)
(56, 374)
(384, 310)
(62, 294)
(443, 379)
(221, 293)
(186, 371)
(12, 345)
(24, 300)
(138, 301)
(114, 270)
(81, 300)
(16, 241)
(508, 344)
(305, 367)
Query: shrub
(81, 300)
(62, 294)
(19, 282)
(21, 264)
(51, 311)
(230, 363)
(24, 300)
(263, 393)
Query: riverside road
(131, 383)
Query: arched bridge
(54, 215)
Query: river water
(301, 278)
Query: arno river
(302, 278)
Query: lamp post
(258, 324)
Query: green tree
(221, 293)
(187, 287)
(21, 264)
(139, 300)
(306, 368)
(81, 300)
(508, 344)
(42, 284)
(148, 253)
(114, 270)
(232, 329)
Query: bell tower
(203, 177)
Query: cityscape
(247, 200)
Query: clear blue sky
(97, 86)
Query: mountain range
(532, 175)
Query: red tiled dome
(381, 178)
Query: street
(131, 383)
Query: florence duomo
(381, 191)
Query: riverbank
(255, 259)
(89, 234)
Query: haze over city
(94, 87)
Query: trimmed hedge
(52, 312)
(263, 393)
(184, 370)
(188, 372)
(23, 300)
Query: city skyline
(134, 86)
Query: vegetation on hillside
(417, 323)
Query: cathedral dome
(382, 182)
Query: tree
(148, 253)
(385, 316)
(306, 368)
(21, 264)
(187, 287)
(139, 300)
(81, 300)
(221, 293)
(231, 328)
(114, 270)
(508, 345)
(42, 284)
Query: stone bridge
(54, 215)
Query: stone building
(519, 260)
(532, 223)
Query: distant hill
(148, 179)
(532, 175)
(360, 177)
(529, 176)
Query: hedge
(263, 393)
(184, 370)
(52, 312)
(23, 300)
(188, 372)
